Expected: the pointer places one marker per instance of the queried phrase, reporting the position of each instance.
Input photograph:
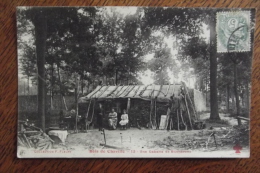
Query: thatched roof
(146, 92)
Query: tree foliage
(98, 45)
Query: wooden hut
(145, 104)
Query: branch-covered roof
(145, 92)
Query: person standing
(172, 106)
(182, 108)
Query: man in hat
(172, 107)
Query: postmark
(233, 31)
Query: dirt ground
(226, 135)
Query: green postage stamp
(233, 31)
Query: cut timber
(188, 112)
(193, 107)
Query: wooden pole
(183, 120)
(151, 109)
(88, 109)
(188, 111)
(104, 134)
(156, 125)
(193, 107)
(171, 124)
(93, 111)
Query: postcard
(134, 82)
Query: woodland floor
(227, 134)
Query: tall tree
(40, 23)
(28, 61)
(160, 64)
(121, 40)
(46, 26)
(185, 23)
(214, 114)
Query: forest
(64, 51)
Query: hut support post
(151, 109)
(128, 105)
(86, 116)
(93, 111)
(118, 107)
(183, 120)
(193, 107)
(155, 115)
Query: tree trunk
(77, 106)
(214, 115)
(116, 77)
(206, 89)
(233, 101)
(51, 88)
(28, 85)
(247, 103)
(24, 88)
(236, 93)
(128, 76)
(61, 94)
(40, 25)
(82, 87)
(227, 98)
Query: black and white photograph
(134, 82)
